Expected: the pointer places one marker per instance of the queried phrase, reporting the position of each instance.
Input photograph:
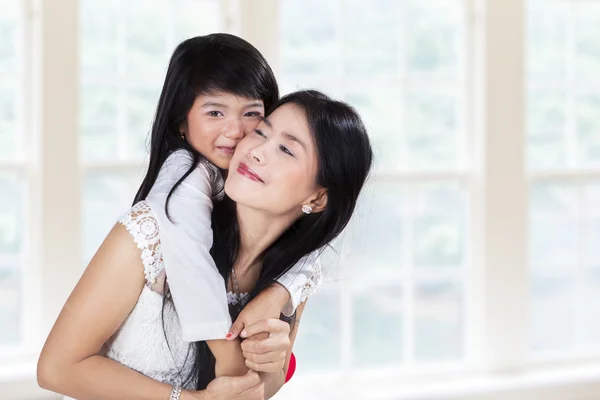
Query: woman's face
(217, 122)
(274, 168)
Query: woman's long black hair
(218, 62)
(344, 156)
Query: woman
(295, 180)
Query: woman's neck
(258, 230)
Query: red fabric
(291, 368)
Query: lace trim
(313, 282)
(143, 227)
(233, 299)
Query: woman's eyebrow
(293, 138)
(267, 122)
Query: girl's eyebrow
(213, 104)
(216, 104)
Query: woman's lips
(244, 170)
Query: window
(563, 111)
(401, 297)
(125, 47)
(13, 176)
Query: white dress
(141, 341)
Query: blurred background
(472, 268)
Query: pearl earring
(182, 135)
(306, 209)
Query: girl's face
(217, 122)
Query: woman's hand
(247, 387)
(266, 354)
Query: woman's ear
(318, 201)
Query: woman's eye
(286, 150)
(260, 133)
(215, 113)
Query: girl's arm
(197, 287)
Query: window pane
(546, 37)
(546, 126)
(12, 224)
(107, 196)
(309, 38)
(552, 316)
(588, 128)
(553, 213)
(590, 229)
(8, 122)
(375, 53)
(432, 122)
(375, 240)
(98, 44)
(99, 122)
(146, 41)
(377, 327)
(434, 36)
(440, 226)
(9, 31)
(379, 110)
(318, 342)
(563, 62)
(141, 105)
(439, 322)
(591, 308)
(587, 39)
(12, 214)
(196, 17)
(10, 76)
(10, 307)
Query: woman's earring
(182, 135)
(306, 209)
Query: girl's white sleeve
(197, 287)
(301, 281)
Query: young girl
(216, 91)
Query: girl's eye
(252, 114)
(260, 133)
(286, 150)
(215, 113)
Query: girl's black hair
(219, 62)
